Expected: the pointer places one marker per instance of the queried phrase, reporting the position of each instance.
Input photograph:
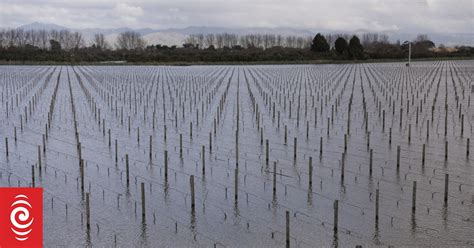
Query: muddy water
(374, 107)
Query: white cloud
(127, 10)
(345, 15)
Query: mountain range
(176, 36)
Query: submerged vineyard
(244, 155)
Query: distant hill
(45, 26)
(176, 36)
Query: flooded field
(213, 156)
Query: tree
(341, 45)
(100, 42)
(219, 40)
(319, 44)
(130, 40)
(356, 50)
(192, 39)
(200, 40)
(77, 41)
(421, 37)
(210, 40)
(55, 46)
(43, 38)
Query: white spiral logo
(20, 217)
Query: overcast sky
(438, 16)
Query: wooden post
(127, 171)
(368, 140)
(287, 229)
(44, 145)
(39, 157)
(413, 199)
(143, 202)
(427, 129)
(390, 136)
(321, 147)
(33, 176)
(295, 148)
(345, 142)
(191, 183)
(383, 122)
(88, 213)
(81, 168)
(79, 147)
(6, 146)
(151, 147)
(446, 184)
(310, 170)
(116, 151)
(409, 133)
(236, 148)
(266, 152)
(210, 142)
(423, 155)
(191, 130)
(181, 145)
(215, 127)
(307, 130)
(398, 157)
(328, 126)
(138, 136)
(166, 165)
(165, 133)
(203, 160)
(336, 215)
(236, 184)
(274, 177)
(446, 151)
(342, 167)
(371, 161)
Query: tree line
(221, 40)
(69, 46)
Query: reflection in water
(335, 241)
(274, 204)
(310, 196)
(236, 214)
(413, 223)
(193, 223)
(444, 213)
(166, 191)
(143, 235)
(88, 240)
(376, 232)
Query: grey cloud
(377, 15)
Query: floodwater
(372, 108)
